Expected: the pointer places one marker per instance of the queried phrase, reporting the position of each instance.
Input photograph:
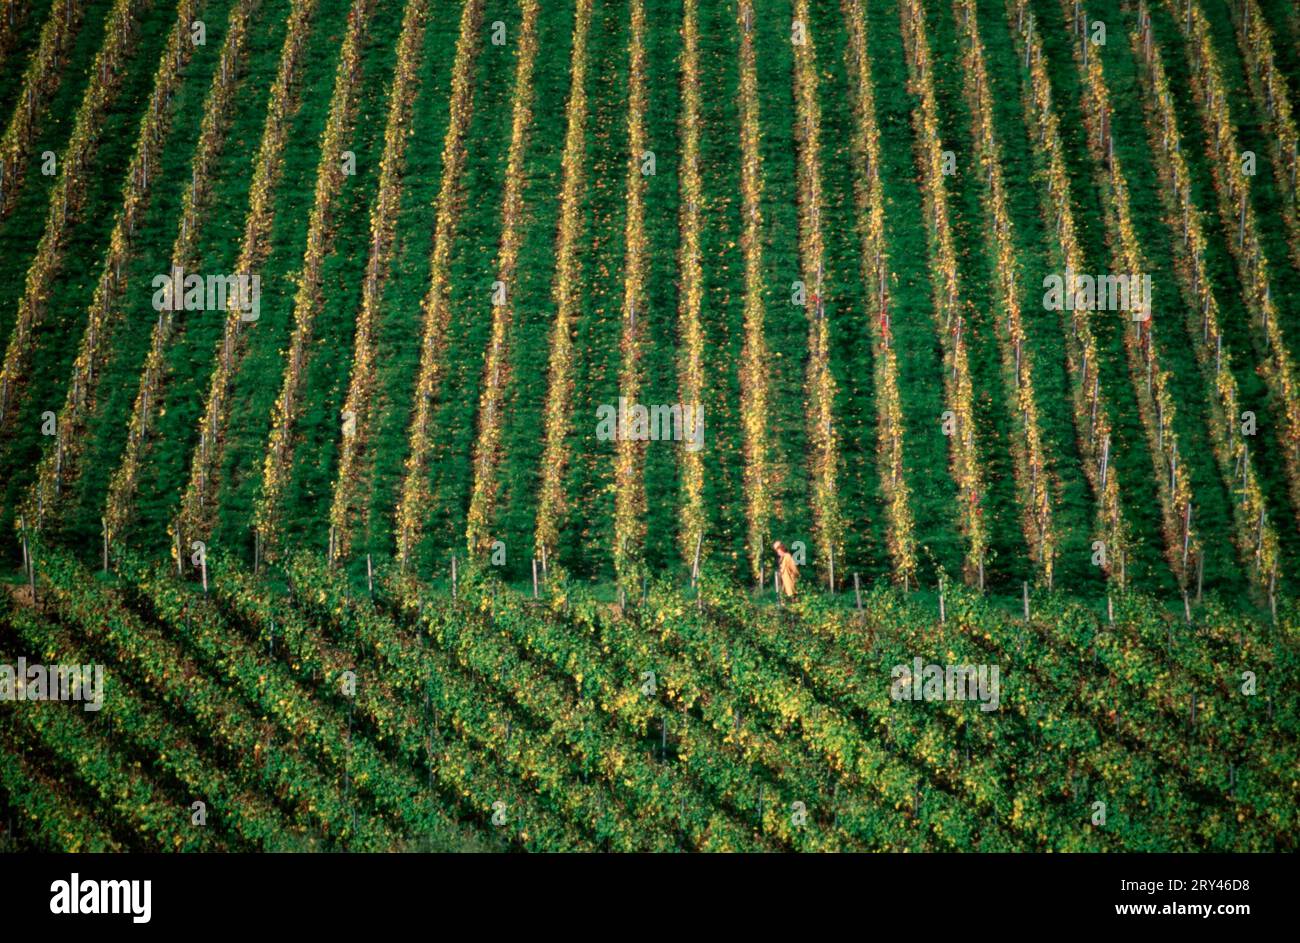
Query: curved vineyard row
(559, 383)
(754, 356)
(824, 458)
(1269, 89)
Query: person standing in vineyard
(787, 570)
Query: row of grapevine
(716, 759)
(629, 460)
(1147, 704)
(1091, 413)
(67, 195)
(43, 74)
(12, 16)
(824, 457)
(733, 667)
(329, 182)
(559, 383)
(195, 505)
(470, 655)
(691, 379)
(163, 665)
(140, 728)
(1027, 449)
(949, 304)
(136, 804)
(55, 821)
(875, 276)
(1145, 757)
(212, 136)
(967, 758)
(487, 448)
(359, 403)
(407, 698)
(1256, 540)
(1151, 381)
(294, 704)
(602, 656)
(754, 356)
(1238, 215)
(141, 651)
(435, 307)
(58, 463)
(1269, 89)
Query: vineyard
(400, 401)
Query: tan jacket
(788, 574)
